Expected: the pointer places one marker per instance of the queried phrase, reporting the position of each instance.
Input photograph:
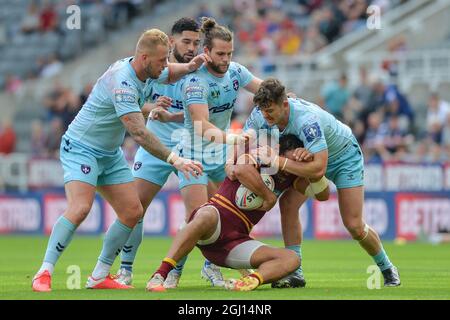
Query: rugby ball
(248, 200)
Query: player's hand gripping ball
(248, 200)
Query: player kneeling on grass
(222, 231)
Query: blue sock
(115, 238)
(298, 250)
(382, 260)
(180, 264)
(60, 238)
(130, 248)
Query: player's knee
(356, 229)
(78, 212)
(207, 218)
(133, 213)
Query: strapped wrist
(319, 186)
(172, 158)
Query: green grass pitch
(333, 269)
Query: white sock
(47, 266)
(101, 270)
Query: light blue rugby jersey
(201, 87)
(117, 92)
(168, 132)
(316, 128)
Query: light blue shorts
(152, 169)
(98, 168)
(215, 173)
(346, 169)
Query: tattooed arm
(135, 124)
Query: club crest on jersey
(312, 131)
(235, 85)
(85, 168)
(137, 165)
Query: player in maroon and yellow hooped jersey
(222, 231)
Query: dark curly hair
(270, 91)
(185, 24)
(289, 142)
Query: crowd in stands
(36, 34)
(379, 113)
(265, 29)
(383, 120)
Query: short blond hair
(151, 38)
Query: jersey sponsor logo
(223, 107)
(122, 95)
(85, 168)
(235, 85)
(137, 165)
(195, 92)
(226, 88)
(312, 131)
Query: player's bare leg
(80, 197)
(194, 196)
(272, 264)
(202, 227)
(125, 202)
(290, 203)
(147, 192)
(351, 202)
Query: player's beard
(217, 68)
(150, 72)
(181, 58)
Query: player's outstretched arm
(204, 128)
(179, 70)
(135, 125)
(253, 86)
(162, 115)
(314, 169)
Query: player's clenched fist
(302, 154)
(160, 114)
(163, 102)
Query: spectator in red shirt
(48, 18)
(7, 137)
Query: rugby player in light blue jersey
(209, 97)
(166, 121)
(93, 160)
(337, 156)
